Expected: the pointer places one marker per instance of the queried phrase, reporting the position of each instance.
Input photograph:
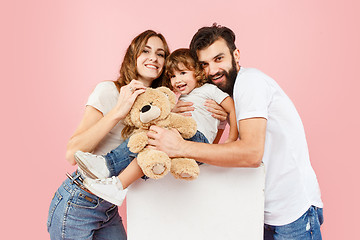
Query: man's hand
(217, 111)
(183, 108)
(168, 141)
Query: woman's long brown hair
(128, 69)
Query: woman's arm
(94, 126)
(228, 105)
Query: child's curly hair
(182, 56)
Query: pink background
(53, 53)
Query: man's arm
(245, 152)
(228, 105)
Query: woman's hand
(127, 97)
(183, 108)
(217, 111)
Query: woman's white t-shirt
(104, 98)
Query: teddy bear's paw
(184, 168)
(158, 168)
(185, 175)
(155, 164)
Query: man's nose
(212, 69)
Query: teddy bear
(153, 107)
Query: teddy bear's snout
(149, 113)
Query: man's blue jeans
(120, 157)
(305, 228)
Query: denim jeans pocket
(320, 215)
(54, 203)
(83, 200)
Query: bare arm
(94, 126)
(229, 106)
(218, 136)
(245, 152)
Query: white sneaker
(93, 165)
(109, 189)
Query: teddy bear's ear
(170, 94)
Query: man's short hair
(206, 36)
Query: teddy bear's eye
(151, 103)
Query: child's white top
(104, 98)
(206, 124)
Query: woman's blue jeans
(79, 215)
(307, 227)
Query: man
(270, 131)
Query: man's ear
(236, 54)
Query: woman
(75, 213)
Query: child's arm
(228, 105)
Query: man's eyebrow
(220, 54)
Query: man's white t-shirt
(104, 98)
(206, 124)
(291, 186)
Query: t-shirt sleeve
(218, 95)
(100, 97)
(252, 97)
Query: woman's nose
(153, 57)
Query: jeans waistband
(77, 179)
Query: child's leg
(198, 137)
(114, 189)
(119, 158)
(111, 164)
(130, 174)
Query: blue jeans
(120, 157)
(79, 215)
(305, 228)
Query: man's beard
(230, 76)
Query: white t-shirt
(291, 186)
(206, 124)
(104, 98)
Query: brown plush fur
(154, 108)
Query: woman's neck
(146, 82)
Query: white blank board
(223, 203)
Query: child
(184, 77)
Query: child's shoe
(109, 189)
(94, 166)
